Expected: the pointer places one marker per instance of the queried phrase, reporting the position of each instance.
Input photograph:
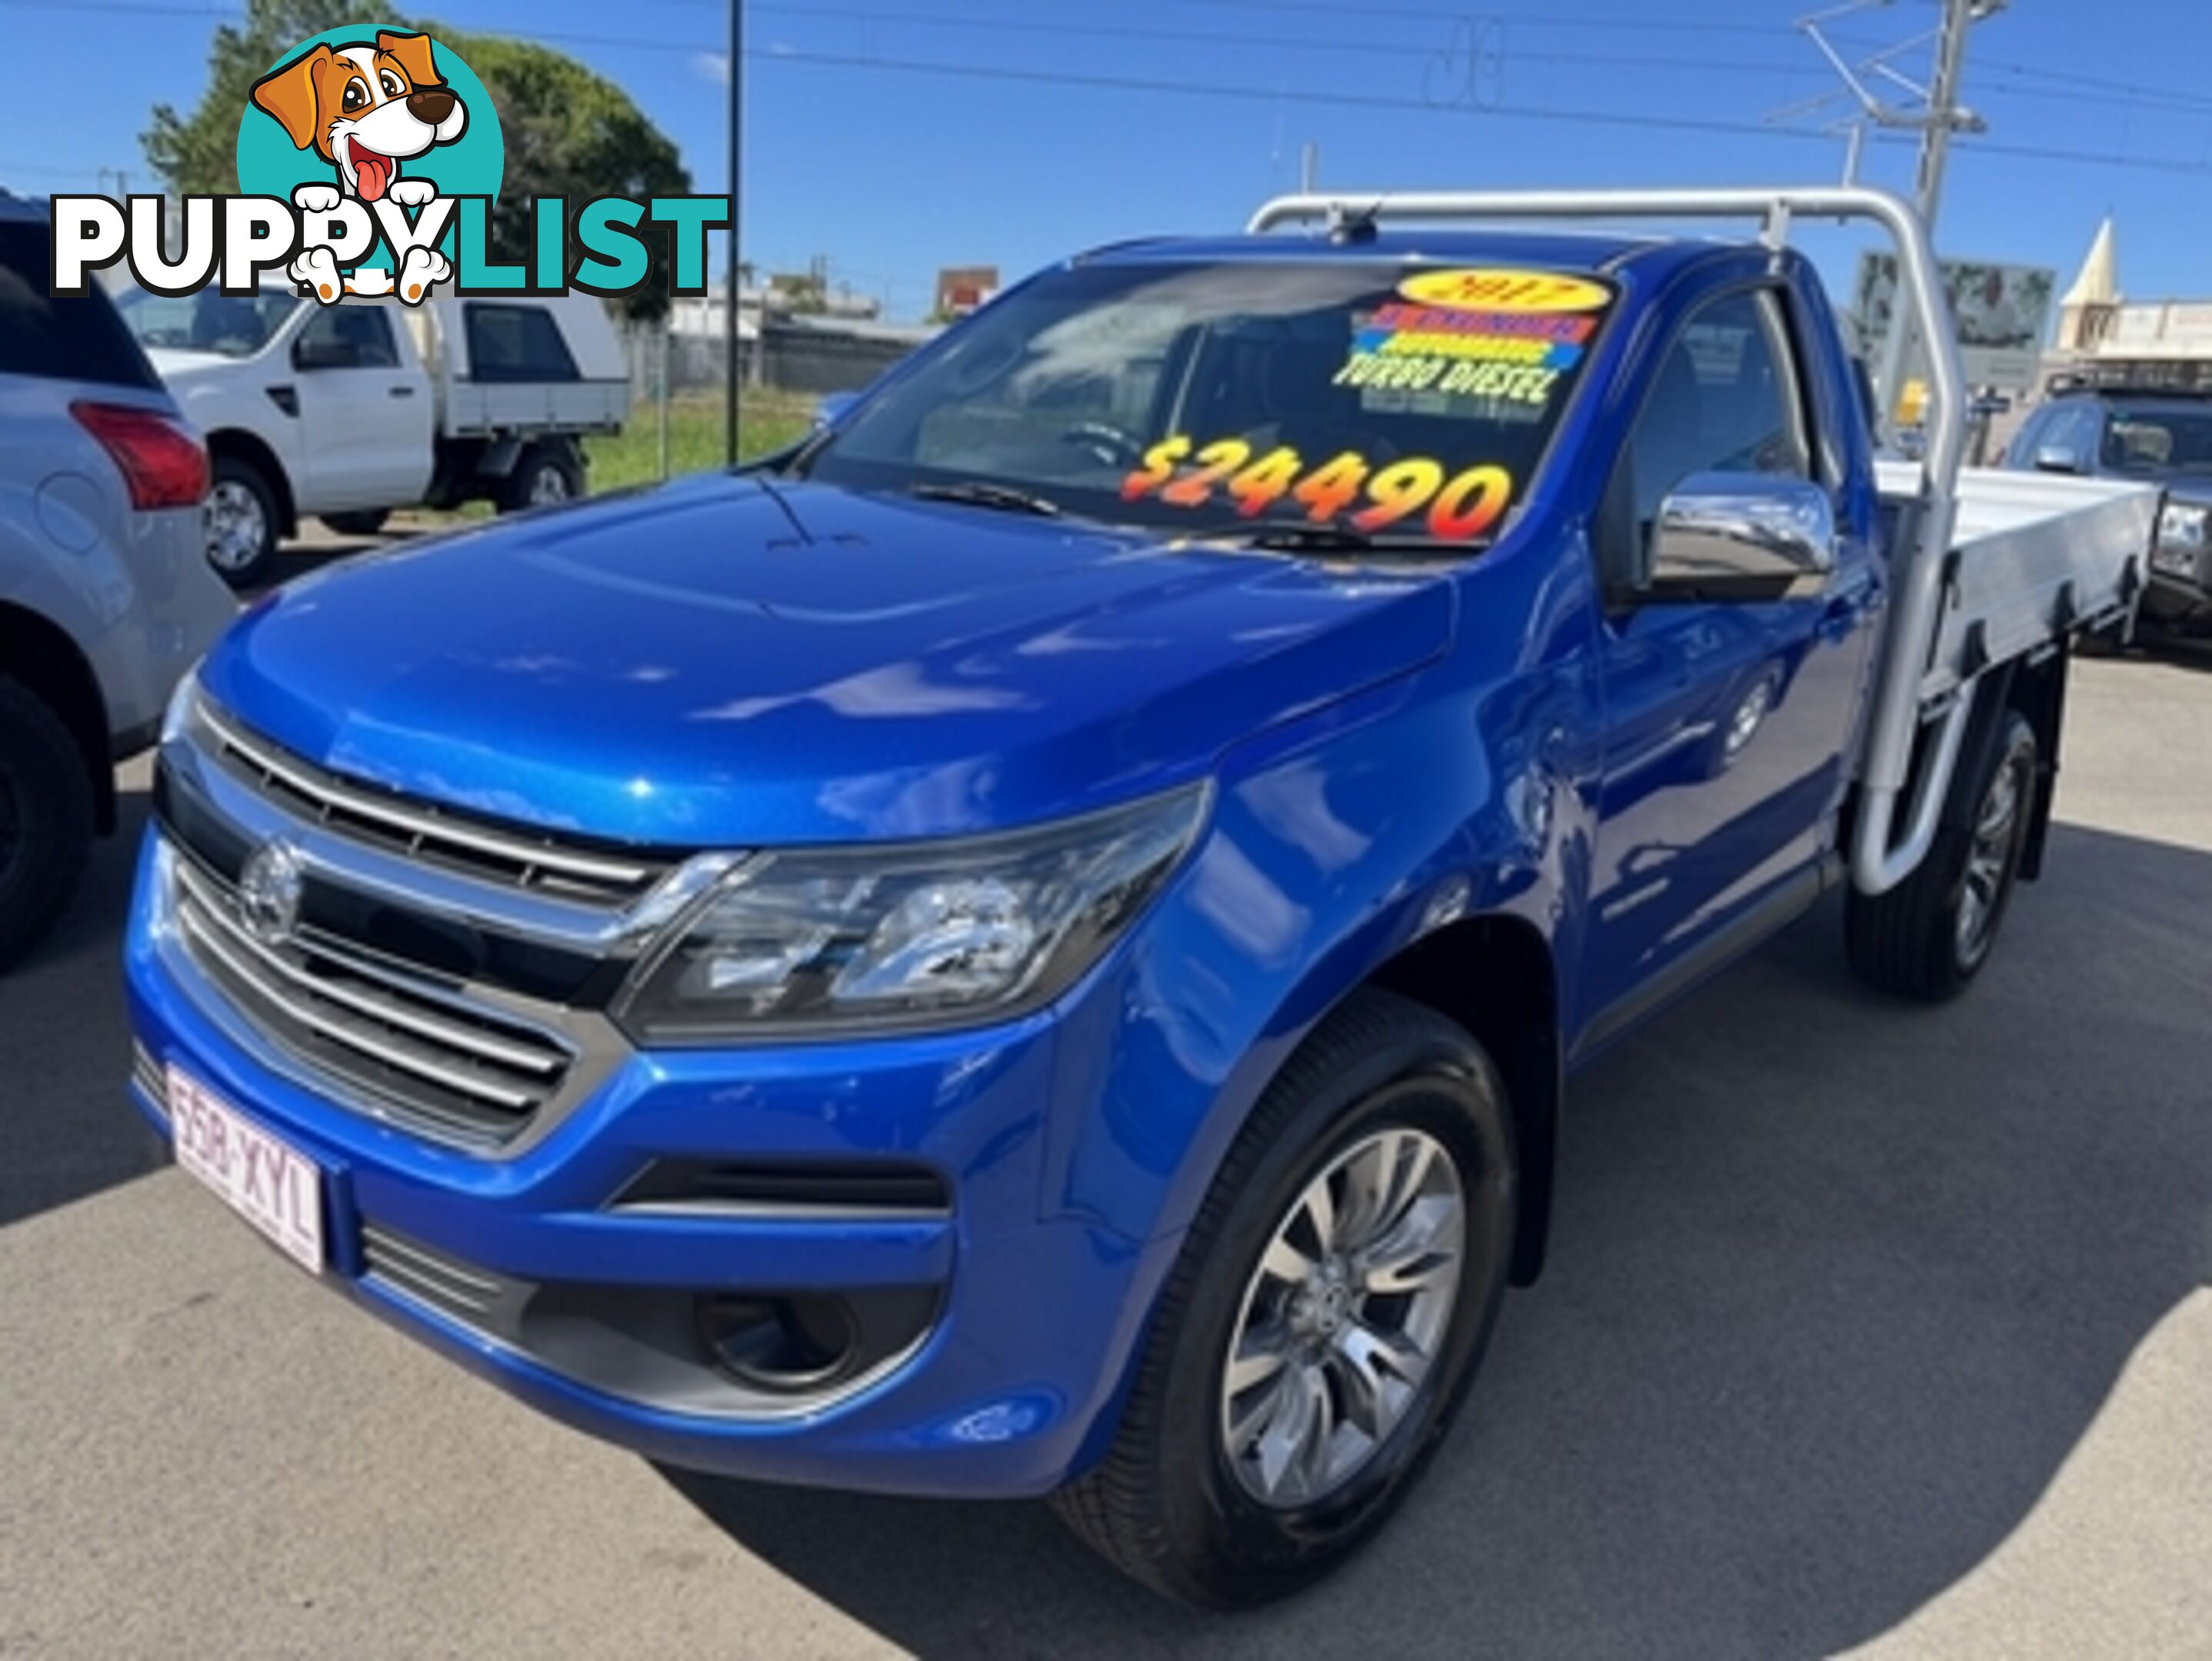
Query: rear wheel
(362, 522)
(45, 819)
(1324, 1320)
(241, 522)
(1928, 936)
(546, 476)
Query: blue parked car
(1031, 944)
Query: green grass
(772, 420)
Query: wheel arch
(251, 447)
(2038, 691)
(1495, 976)
(39, 655)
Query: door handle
(403, 391)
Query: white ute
(350, 411)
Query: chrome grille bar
(461, 1065)
(421, 830)
(367, 1041)
(450, 1033)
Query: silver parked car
(105, 597)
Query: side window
(1726, 400)
(348, 337)
(2033, 435)
(516, 343)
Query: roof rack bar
(1916, 577)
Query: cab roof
(1649, 260)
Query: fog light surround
(781, 1346)
(810, 1344)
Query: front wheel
(1928, 936)
(1324, 1320)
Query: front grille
(559, 867)
(429, 1049)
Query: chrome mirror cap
(1742, 536)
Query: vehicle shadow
(67, 1129)
(317, 546)
(1837, 1285)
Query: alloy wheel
(1989, 859)
(237, 528)
(1343, 1318)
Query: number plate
(266, 1181)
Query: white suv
(105, 597)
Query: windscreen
(229, 325)
(2154, 439)
(1380, 399)
(58, 337)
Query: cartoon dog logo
(366, 110)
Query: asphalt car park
(1863, 1328)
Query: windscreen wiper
(1337, 539)
(1000, 498)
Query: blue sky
(1066, 129)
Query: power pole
(1943, 111)
(732, 348)
(1935, 112)
(1308, 165)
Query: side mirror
(325, 354)
(2057, 458)
(831, 408)
(1744, 537)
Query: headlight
(2181, 526)
(931, 934)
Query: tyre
(1322, 1321)
(1928, 938)
(45, 819)
(362, 522)
(545, 475)
(241, 522)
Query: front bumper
(2179, 590)
(1003, 1394)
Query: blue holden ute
(1030, 944)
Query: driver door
(365, 415)
(1728, 722)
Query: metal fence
(793, 354)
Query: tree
(197, 154)
(568, 132)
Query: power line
(1360, 100)
(1539, 20)
(1464, 13)
(2127, 95)
(1320, 98)
(1369, 48)
(1411, 53)
(1313, 96)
